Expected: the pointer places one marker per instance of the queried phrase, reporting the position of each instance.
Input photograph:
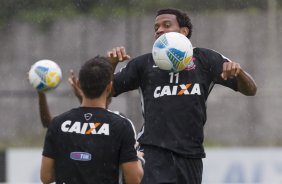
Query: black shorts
(164, 166)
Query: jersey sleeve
(129, 77)
(128, 152)
(215, 61)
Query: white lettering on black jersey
(85, 128)
(182, 89)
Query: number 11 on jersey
(174, 77)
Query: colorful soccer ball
(172, 51)
(45, 75)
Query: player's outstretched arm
(132, 172)
(45, 115)
(246, 84)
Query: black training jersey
(174, 104)
(89, 144)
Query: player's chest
(193, 74)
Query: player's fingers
(109, 54)
(119, 53)
(222, 75)
(70, 78)
(114, 52)
(238, 69)
(72, 75)
(228, 70)
(73, 82)
(233, 70)
(123, 53)
(112, 56)
(224, 71)
(70, 81)
(127, 57)
(229, 67)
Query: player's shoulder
(118, 115)
(201, 50)
(144, 57)
(141, 62)
(121, 118)
(147, 55)
(67, 113)
(208, 55)
(60, 117)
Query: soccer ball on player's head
(172, 51)
(45, 75)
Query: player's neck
(97, 102)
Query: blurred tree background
(45, 11)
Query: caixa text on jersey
(182, 89)
(85, 128)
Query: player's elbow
(134, 179)
(46, 179)
(251, 91)
(140, 175)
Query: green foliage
(45, 11)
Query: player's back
(88, 145)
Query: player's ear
(184, 30)
(109, 88)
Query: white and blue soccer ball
(172, 51)
(45, 75)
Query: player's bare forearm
(246, 84)
(47, 171)
(45, 115)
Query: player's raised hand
(230, 70)
(118, 54)
(73, 81)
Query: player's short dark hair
(182, 18)
(94, 76)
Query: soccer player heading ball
(174, 104)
